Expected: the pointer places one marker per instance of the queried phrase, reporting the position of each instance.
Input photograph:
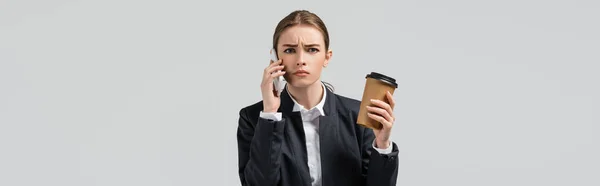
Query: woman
(307, 135)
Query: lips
(301, 73)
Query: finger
(381, 112)
(275, 62)
(268, 74)
(390, 98)
(270, 70)
(268, 77)
(383, 105)
(276, 67)
(277, 74)
(272, 64)
(385, 123)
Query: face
(302, 49)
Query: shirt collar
(318, 107)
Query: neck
(308, 96)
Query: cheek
(288, 65)
(288, 61)
(318, 62)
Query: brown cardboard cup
(376, 87)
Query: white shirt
(311, 123)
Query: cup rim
(384, 78)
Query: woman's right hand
(271, 100)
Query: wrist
(269, 110)
(382, 144)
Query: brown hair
(302, 17)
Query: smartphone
(278, 82)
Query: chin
(301, 83)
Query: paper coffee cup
(376, 87)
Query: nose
(301, 63)
(301, 59)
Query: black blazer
(274, 153)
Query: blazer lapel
(328, 137)
(295, 137)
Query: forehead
(301, 34)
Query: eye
(313, 50)
(289, 50)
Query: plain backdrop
(132, 92)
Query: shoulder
(251, 110)
(347, 103)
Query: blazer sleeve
(381, 169)
(259, 150)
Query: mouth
(301, 73)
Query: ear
(328, 57)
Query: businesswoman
(307, 135)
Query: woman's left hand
(384, 114)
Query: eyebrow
(296, 45)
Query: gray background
(132, 92)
